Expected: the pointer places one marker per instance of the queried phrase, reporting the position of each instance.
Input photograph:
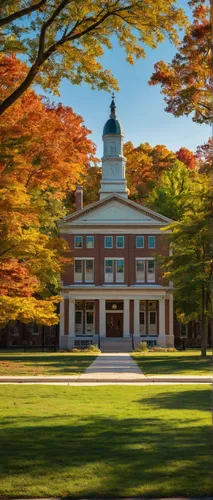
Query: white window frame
(82, 273)
(136, 272)
(149, 280)
(105, 239)
(149, 323)
(83, 270)
(87, 325)
(114, 270)
(119, 277)
(151, 247)
(80, 331)
(78, 236)
(117, 237)
(139, 236)
(90, 236)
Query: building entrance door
(114, 324)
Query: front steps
(116, 344)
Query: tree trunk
(203, 326)
(20, 90)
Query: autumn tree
(144, 166)
(66, 38)
(44, 152)
(187, 157)
(187, 81)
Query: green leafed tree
(66, 38)
(172, 195)
(190, 266)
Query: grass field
(44, 363)
(174, 363)
(153, 441)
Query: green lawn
(174, 363)
(44, 363)
(153, 441)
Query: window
(84, 317)
(114, 270)
(78, 274)
(119, 241)
(89, 241)
(78, 241)
(140, 271)
(84, 271)
(119, 271)
(89, 319)
(151, 241)
(150, 271)
(89, 274)
(108, 242)
(139, 241)
(109, 271)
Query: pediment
(115, 210)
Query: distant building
(114, 288)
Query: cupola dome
(113, 126)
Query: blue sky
(140, 107)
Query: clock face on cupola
(113, 161)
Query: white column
(71, 317)
(126, 318)
(136, 317)
(171, 316)
(102, 318)
(170, 337)
(62, 317)
(162, 330)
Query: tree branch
(21, 13)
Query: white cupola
(113, 161)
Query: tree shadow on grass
(97, 456)
(188, 399)
(167, 365)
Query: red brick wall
(129, 253)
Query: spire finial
(113, 107)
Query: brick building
(114, 288)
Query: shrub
(75, 350)
(93, 348)
(171, 349)
(142, 347)
(157, 349)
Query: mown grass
(174, 363)
(153, 441)
(35, 364)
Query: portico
(94, 315)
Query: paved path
(118, 368)
(113, 367)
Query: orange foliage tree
(44, 152)
(187, 81)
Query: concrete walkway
(113, 367)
